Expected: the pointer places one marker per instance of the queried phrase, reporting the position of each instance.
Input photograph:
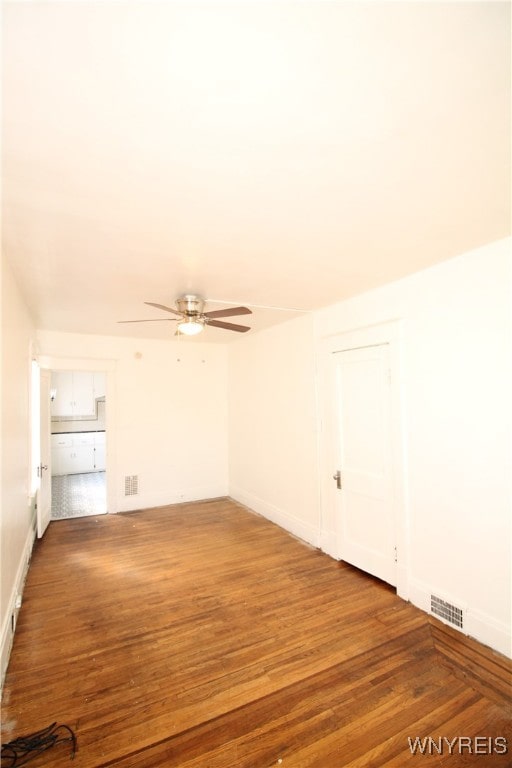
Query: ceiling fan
(192, 319)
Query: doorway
(78, 443)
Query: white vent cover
(131, 485)
(446, 611)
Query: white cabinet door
(74, 393)
(83, 459)
(84, 403)
(58, 455)
(63, 461)
(99, 458)
(61, 446)
(62, 384)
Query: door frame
(389, 333)
(108, 366)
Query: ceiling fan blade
(162, 306)
(228, 326)
(152, 320)
(228, 312)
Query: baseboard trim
(485, 629)
(293, 525)
(184, 496)
(11, 615)
(478, 665)
(328, 544)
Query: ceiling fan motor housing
(190, 305)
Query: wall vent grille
(446, 611)
(131, 485)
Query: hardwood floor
(202, 636)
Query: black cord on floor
(19, 751)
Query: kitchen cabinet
(77, 452)
(99, 451)
(76, 392)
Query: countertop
(78, 432)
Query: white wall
(166, 414)
(17, 523)
(456, 384)
(273, 423)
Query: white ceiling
(270, 153)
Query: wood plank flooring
(203, 636)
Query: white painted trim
(146, 501)
(76, 363)
(390, 333)
(477, 625)
(490, 632)
(328, 543)
(290, 523)
(8, 630)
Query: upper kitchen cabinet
(74, 393)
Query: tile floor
(78, 495)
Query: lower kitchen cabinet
(78, 452)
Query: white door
(363, 471)
(44, 498)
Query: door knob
(337, 477)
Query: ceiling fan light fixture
(190, 326)
(193, 318)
